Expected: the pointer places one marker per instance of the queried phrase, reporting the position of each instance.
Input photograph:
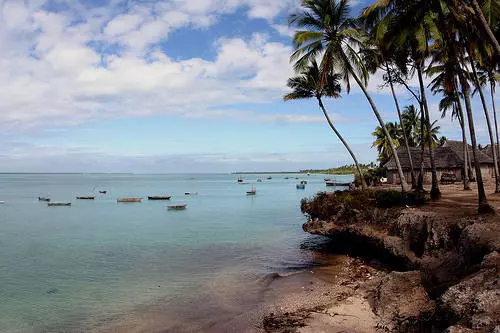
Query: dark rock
(458, 329)
(402, 302)
(475, 301)
(476, 241)
(364, 239)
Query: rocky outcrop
(458, 261)
(360, 239)
(475, 301)
(408, 313)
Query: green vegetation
(343, 170)
(450, 42)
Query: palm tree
(383, 142)
(308, 84)
(377, 56)
(331, 33)
(486, 27)
(411, 31)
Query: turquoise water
(69, 269)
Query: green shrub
(390, 198)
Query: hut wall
(393, 176)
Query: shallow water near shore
(81, 268)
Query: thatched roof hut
(448, 159)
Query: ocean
(99, 262)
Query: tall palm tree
(411, 31)
(310, 83)
(377, 56)
(486, 27)
(331, 33)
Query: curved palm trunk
(435, 192)
(412, 171)
(483, 206)
(492, 92)
(404, 186)
(486, 27)
(363, 183)
(488, 123)
(464, 141)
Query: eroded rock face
(402, 302)
(458, 329)
(476, 241)
(475, 301)
(362, 238)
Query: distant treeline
(342, 170)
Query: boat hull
(59, 204)
(129, 200)
(177, 207)
(156, 198)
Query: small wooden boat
(301, 186)
(127, 200)
(103, 192)
(334, 183)
(43, 199)
(58, 204)
(159, 197)
(85, 198)
(253, 191)
(177, 207)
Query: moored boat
(253, 191)
(303, 182)
(259, 180)
(240, 180)
(269, 178)
(301, 186)
(190, 193)
(167, 197)
(58, 204)
(85, 198)
(126, 200)
(43, 199)
(177, 207)
(103, 192)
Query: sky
(172, 86)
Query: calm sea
(73, 269)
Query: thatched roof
(448, 156)
(488, 151)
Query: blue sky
(168, 86)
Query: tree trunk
(486, 27)
(492, 92)
(488, 123)
(435, 192)
(421, 175)
(363, 183)
(483, 206)
(413, 182)
(382, 124)
(464, 145)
